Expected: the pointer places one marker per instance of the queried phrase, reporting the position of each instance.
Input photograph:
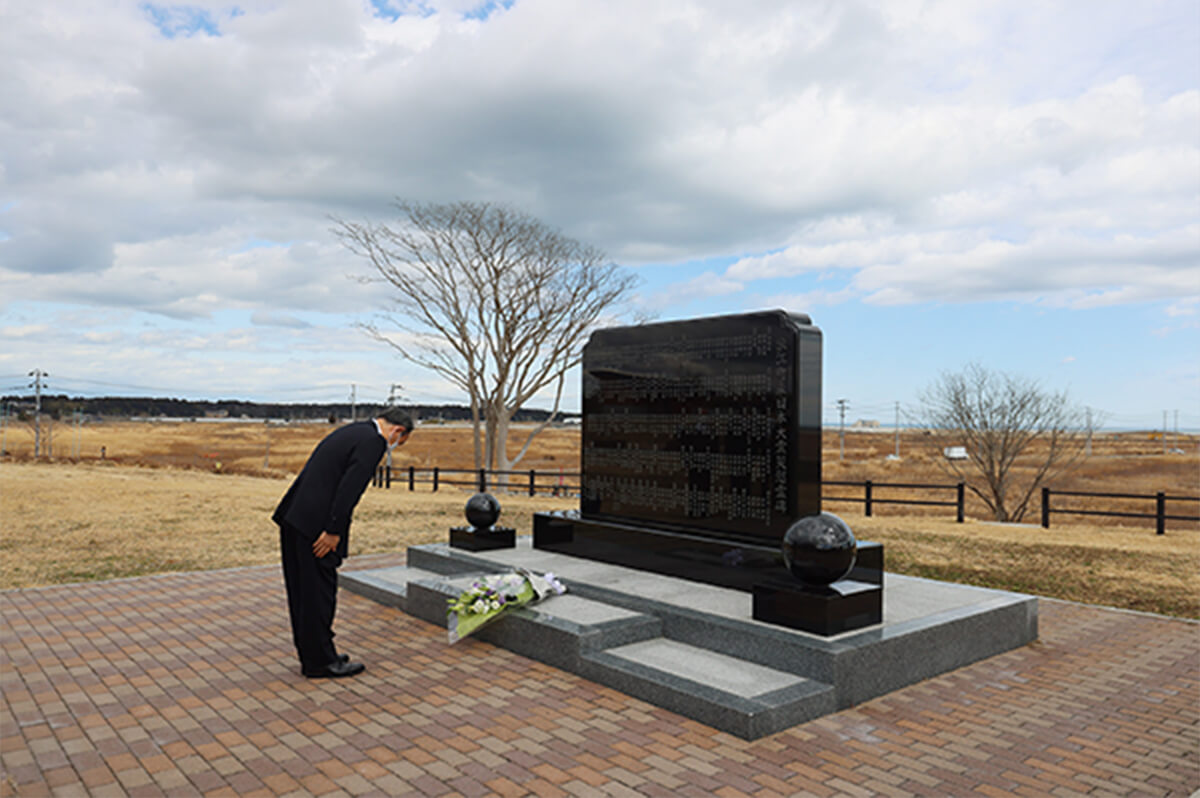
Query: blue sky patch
(485, 10)
(175, 21)
(392, 10)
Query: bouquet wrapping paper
(490, 596)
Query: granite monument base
(696, 649)
(778, 598)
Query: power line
(67, 384)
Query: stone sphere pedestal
(482, 511)
(819, 552)
(819, 549)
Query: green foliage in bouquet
(491, 596)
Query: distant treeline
(61, 406)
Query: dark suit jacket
(323, 496)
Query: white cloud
(187, 166)
(702, 286)
(1188, 306)
(268, 318)
(106, 337)
(23, 331)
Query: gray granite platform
(694, 648)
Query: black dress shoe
(336, 670)
(342, 658)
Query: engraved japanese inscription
(710, 426)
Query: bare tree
(1017, 436)
(490, 298)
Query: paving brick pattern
(186, 684)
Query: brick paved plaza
(186, 684)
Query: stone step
(557, 631)
(728, 693)
(387, 586)
(695, 648)
(619, 648)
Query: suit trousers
(312, 599)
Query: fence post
(376, 478)
(532, 477)
(412, 473)
(867, 498)
(1045, 508)
(435, 479)
(961, 499)
(1160, 513)
(483, 480)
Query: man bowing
(314, 530)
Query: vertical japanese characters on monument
(709, 426)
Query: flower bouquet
(491, 596)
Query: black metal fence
(869, 499)
(563, 483)
(550, 482)
(1159, 515)
(567, 483)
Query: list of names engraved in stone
(691, 428)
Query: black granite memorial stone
(709, 426)
(701, 449)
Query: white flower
(479, 606)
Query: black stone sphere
(482, 510)
(819, 549)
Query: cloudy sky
(935, 183)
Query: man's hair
(401, 418)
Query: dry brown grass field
(68, 523)
(267, 450)
(188, 496)
(1132, 463)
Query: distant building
(865, 423)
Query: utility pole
(1089, 431)
(897, 455)
(353, 389)
(842, 429)
(38, 375)
(4, 424)
(77, 438)
(1164, 432)
(267, 454)
(1175, 437)
(391, 403)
